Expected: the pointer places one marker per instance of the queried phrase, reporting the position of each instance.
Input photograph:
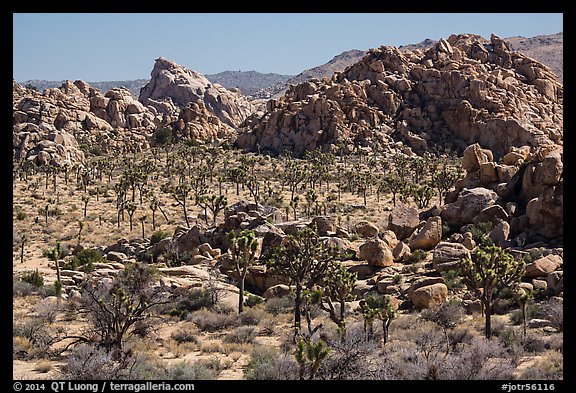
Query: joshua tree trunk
(241, 295)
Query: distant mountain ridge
(547, 49)
(249, 82)
(133, 86)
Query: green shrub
(157, 236)
(417, 256)
(85, 258)
(253, 300)
(532, 310)
(452, 279)
(20, 215)
(162, 136)
(34, 278)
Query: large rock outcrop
(460, 91)
(49, 127)
(198, 108)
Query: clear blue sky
(101, 47)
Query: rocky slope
(460, 91)
(547, 49)
(197, 108)
(48, 127)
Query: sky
(110, 47)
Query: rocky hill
(460, 91)
(51, 127)
(547, 49)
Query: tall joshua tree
(488, 271)
(304, 259)
(243, 249)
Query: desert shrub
(534, 343)
(480, 233)
(253, 300)
(253, 316)
(22, 288)
(550, 366)
(452, 279)
(20, 215)
(44, 367)
(87, 362)
(185, 371)
(157, 236)
(481, 359)
(195, 300)
(510, 337)
(553, 311)
(446, 315)
(417, 256)
(267, 364)
(212, 321)
(533, 254)
(241, 335)
(185, 335)
(460, 335)
(162, 136)
(498, 324)
(350, 357)
(280, 305)
(34, 278)
(85, 258)
(532, 310)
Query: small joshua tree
(80, 227)
(130, 208)
(243, 249)
(214, 203)
(308, 352)
(377, 307)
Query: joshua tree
(377, 307)
(311, 197)
(304, 259)
(422, 194)
(236, 175)
(488, 271)
(214, 203)
(309, 352)
(180, 194)
(338, 286)
(523, 297)
(130, 208)
(243, 249)
(22, 243)
(294, 205)
(56, 255)
(80, 227)
(154, 205)
(445, 173)
(85, 200)
(142, 219)
(293, 175)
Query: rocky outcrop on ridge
(199, 109)
(461, 91)
(49, 127)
